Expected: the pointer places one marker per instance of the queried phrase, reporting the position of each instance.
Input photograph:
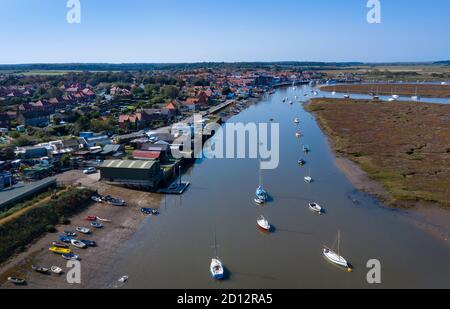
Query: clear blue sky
(118, 31)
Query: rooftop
(134, 164)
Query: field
(404, 146)
(424, 90)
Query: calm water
(174, 249)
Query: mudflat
(424, 90)
(405, 146)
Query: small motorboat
(259, 201)
(91, 218)
(71, 257)
(89, 243)
(16, 281)
(271, 119)
(346, 96)
(301, 162)
(316, 208)
(298, 134)
(333, 93)
(308, 179)
(149, 211)
(216, 269)
(78, 244)
(65, 239)
(96, 199)
(263, 223)
(56, 270)
(59, 250)
(296, 120)
(103, 220)
(96, 225)
(395, 96)
(41, 270)
(70, 233)
(123, 279)
(306, 148)
(117, 202)
(261, 193)
(83, 230)
(59, 245)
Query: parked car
(90, 170)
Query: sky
(152, 31)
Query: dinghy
(58, 250)
(71, 257)
(91, 218)
(96, 225)
(216, 269)
(41, 270)
(83, 230)
(103, 220)
(298, 134)
(56, 270)
(315, 207)
(89, 243)
(123, 279)
(263, 223)
(70, 233)
(59, 245)
(16, 281)
(96, 199)
(296, 120)
(306, 148)
(78, 244)
(259, 201)
(65, 239)
(301, 162)
(308, 179)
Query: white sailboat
(263, 223)
(216, 266)
(415, 97)
(335, 257)
(308, 179)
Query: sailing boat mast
(339, 243)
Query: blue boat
(261, 194)
(89, 243)
(149, 211)
(96, 225)
(66, 239)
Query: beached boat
(78, 244)
(335, 257)
(16, 281)
(96, 225)
(97, 199)
(315, 207)
(263, 223)
(41, 270)
(71, 257)
(58, 250)
(89, 243)
(149, 211)
(91, 218)
(56, 270)
(103, 220)
(59, 245)
(117, 202)
(65, 239)
(70, 233)
(83, 230)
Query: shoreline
(429, 217)
(97, 262)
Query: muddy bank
(96, 261)
(428, 216)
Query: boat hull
(334, 258)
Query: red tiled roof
(146, 155)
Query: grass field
(405, 146)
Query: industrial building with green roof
(132, 173)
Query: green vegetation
(39, 218)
